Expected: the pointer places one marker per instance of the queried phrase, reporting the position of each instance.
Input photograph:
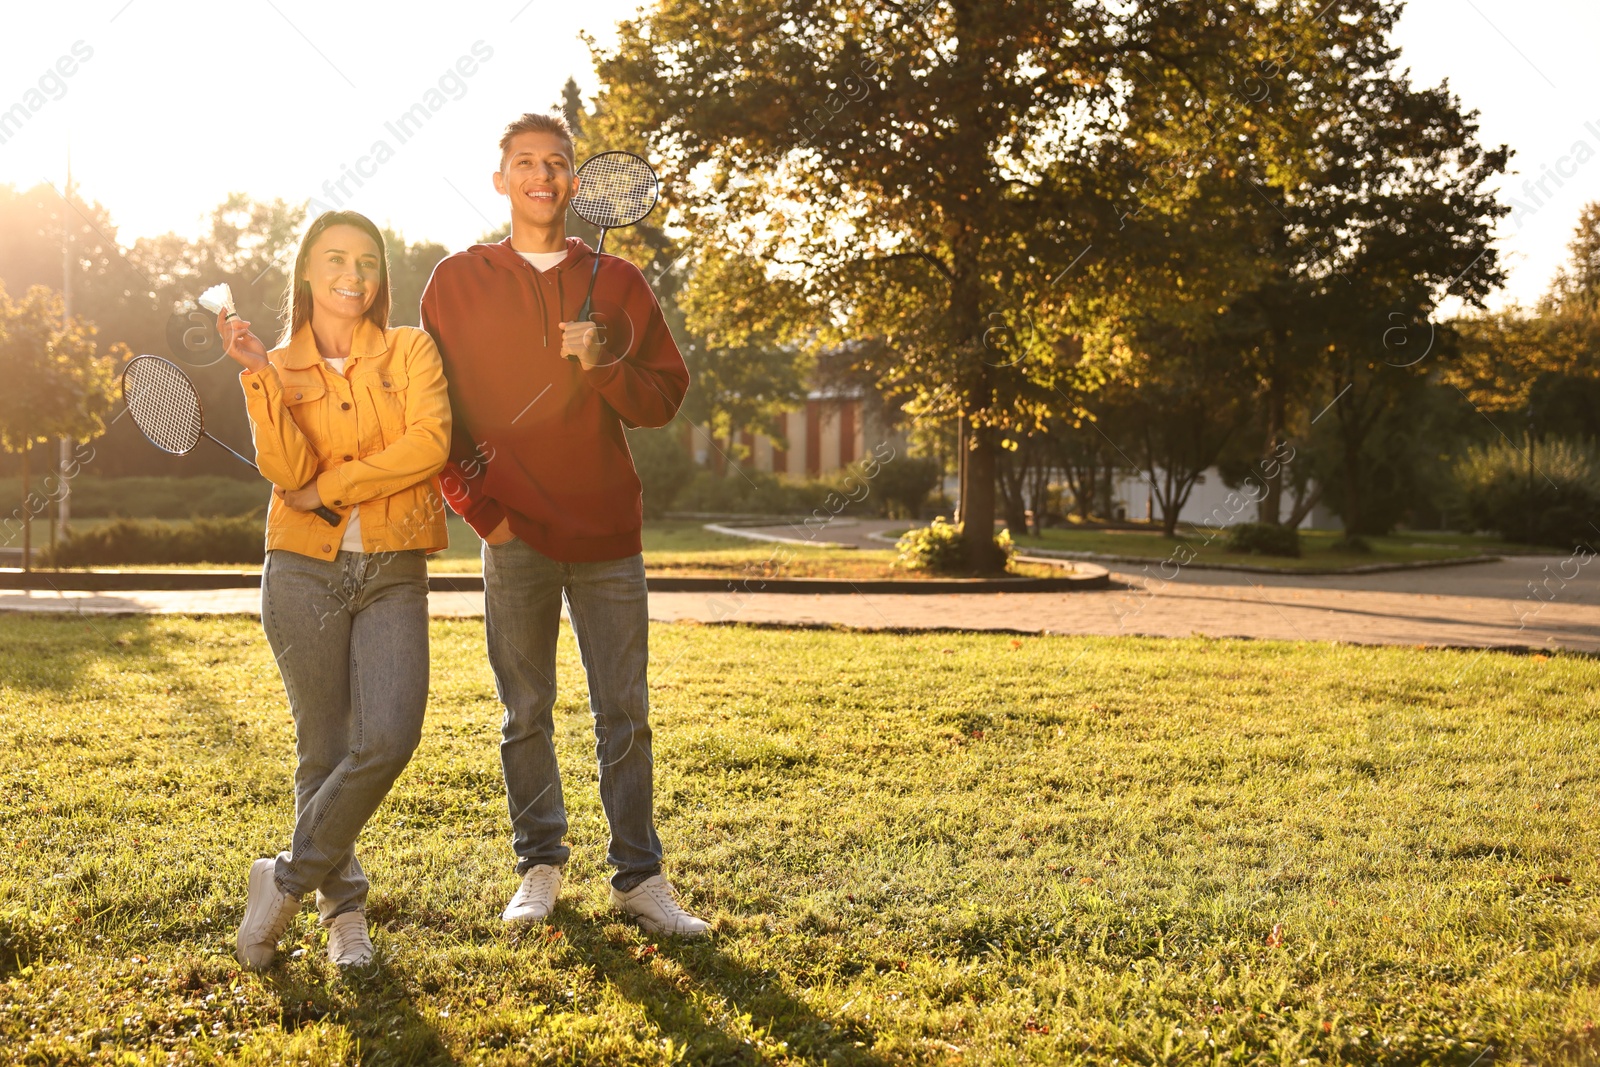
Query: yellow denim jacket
(373, 438)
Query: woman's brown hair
(297, 301)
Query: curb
(1317, 572)
(1090, 577)
(1362, 568)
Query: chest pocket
(306, 408)
(387, 388)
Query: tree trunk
(977, 504)
(1013, 468)
(1302, 507)
(1271, 506)
(1171, 506)
(1039, 493)
(1352, 490)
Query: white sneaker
(348, 943)
(655, 904)
(535, 898)
(267, 912)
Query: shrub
(236, 540)
(1264, 539)
(664, 467)
(1556, 509)
(901, 482)
(938, 548)
(903, 485)
(743, 492)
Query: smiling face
(344, 270)
(537, 176)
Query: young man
(541, 470)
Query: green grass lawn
(930, 849)
(1206, 546)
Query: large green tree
(921, 171)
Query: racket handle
(588, 297)
(328, 515)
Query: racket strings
(162, 401)
(615, 189)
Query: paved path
(1481, 605)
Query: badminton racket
(166, 408)
(615, 189)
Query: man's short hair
(537, 122)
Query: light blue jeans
(351, 639)
(523, 590)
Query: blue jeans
(351, 639)
(522, 593)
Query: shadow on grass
(52, 652)
(373, 1004)
(669, 1001)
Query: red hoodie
(538, 438)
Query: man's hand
(500, 534)
(306, 498)
(586, 340)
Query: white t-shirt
(351, 541)
(544, 260)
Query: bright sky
(179, 102)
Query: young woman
(350, 414)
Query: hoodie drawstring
(544, 316)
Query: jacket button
(255, 385)
(338, 503)
(299, 396)
(345, 406)
(386, 385)
(347, 459)
(327, 548)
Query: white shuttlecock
(219, 298)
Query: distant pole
(961, 469)
(64, 452)
(1528, 528)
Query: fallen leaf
(1556, 879)
(1275, 938)
(1018, 644)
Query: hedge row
(238, 540)
(142, 498)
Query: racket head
(163, 403)
(615, 189)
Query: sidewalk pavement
(1519, 602)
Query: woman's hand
(244, 347)
(306, 498)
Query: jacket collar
(301, 352)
